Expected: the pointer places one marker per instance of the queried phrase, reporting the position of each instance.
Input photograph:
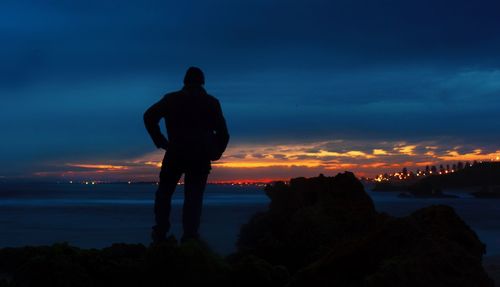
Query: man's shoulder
(172, 97)
(212, 99)
(173, 94)
(180, 94)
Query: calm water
(97, 215)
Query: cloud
(378, 151)
(99, 38)
(405, 149)
(477, 154)
(98, 167)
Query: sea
(95, 216)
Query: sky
(307, 87)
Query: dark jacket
(196, 127)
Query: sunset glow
(99, 166)
(264, 163)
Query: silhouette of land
(485, 175)
(321, 231)
(488, 192)
(482, 176)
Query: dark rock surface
(326, 231)
(118, 265)
(305, 217)
(425, 189)
(417, 250)
(492, 266)
(487, 192)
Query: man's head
(194, 77)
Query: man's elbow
(147, 117)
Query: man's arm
(221, 131)
(152, 117)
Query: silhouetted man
(197, 135)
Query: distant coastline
(482, 178)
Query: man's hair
(194, 76)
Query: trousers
(195, 180)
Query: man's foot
(189, 237)
(158, 237)
(195, 240)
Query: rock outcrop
(305, 217)
(326, 231)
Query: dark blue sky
(76, 76)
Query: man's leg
(169, 177)
(194, 187)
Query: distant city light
(406, 175)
